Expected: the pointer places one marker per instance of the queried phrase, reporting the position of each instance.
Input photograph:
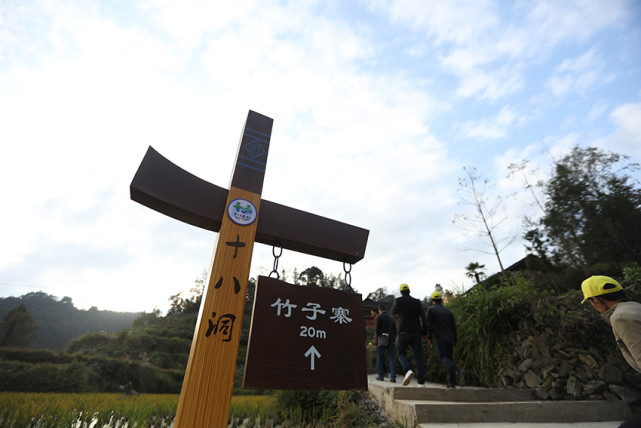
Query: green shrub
(114, 372)
(92, 343)
(632, 280)
(34, 356)
(351, 414)
(71, 377)
(483, 317)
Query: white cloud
(457, 22)
(493, 128)
(626, 138)
(491, 86)
(487, 50)
(579, 74)
(552, 23)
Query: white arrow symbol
(314, 353)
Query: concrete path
(436, 406)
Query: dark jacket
(385, 323)
(411, 316)
(440, 322)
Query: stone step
(518, 411)
(436, 392)
(436, 404)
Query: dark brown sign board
(305, 337)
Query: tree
(190, 303)
(474, 271)
(333, 281)
(17, 328)
(483, 219)
(381, 295)
(378, 295)
(520, 169)
(312, 276)
(592, 211)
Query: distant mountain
(59, 321)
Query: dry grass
(45, 410)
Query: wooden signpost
(305, 338)
(241, 218)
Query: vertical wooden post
(209, 378)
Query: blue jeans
(380, 360)
(445, 350)
(414, 340)
(633, 422)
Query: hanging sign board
(305, 338)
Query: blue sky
(377, 107)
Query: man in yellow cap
(412, 331)
(607, 296)
(441, 328)
(624, 316)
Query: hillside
(59, 321)
(151, 353)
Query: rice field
(44, 410)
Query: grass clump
(483, 317)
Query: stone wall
(561, 351)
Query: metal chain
(276, 257)
(348, 275)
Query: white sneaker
(421, 385)
(408, 377)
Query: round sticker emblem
(241, 212)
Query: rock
(542, 347)
(545, 373)
(596, 353)
(610, 396)
(592, 386)
(573, 387)
(556, 394)
(548, 382)
(588, 360)
(537, 365)
(510, 377)
(525, 365)
(586, 373)
(542, 393)
(627, 393)
(565, 368)
(532, 379)
(610, 373)
(614, 358)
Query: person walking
(385, 340)
(374, 313)
(441, 328)
(624, 316)
(412, 331)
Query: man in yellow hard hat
(412, 331)
(624, 316)
(607, 296)
(441, 328)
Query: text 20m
(306, 331)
